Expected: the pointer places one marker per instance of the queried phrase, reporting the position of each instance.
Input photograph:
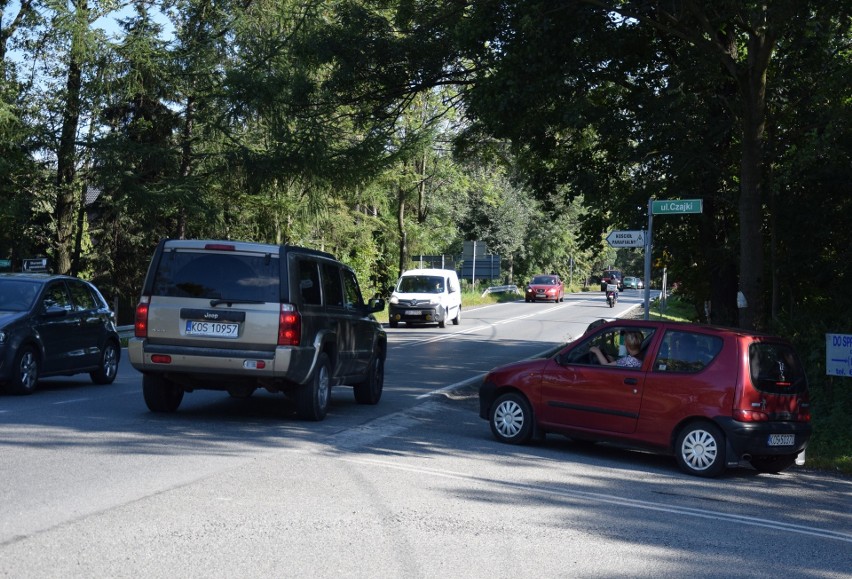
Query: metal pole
(648, 247)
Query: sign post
(663, 207)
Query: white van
(424, 296)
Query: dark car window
(82, 296)
(56, 296)
(309, 284)
(17, 295)
(775, 369)
(353, 292)
(331, 285)
(688, 352)
(218, 276)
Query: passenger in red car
(633, 343)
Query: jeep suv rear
(237, 316)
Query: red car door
(603, 398)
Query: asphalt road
(93, 485)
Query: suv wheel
(161, 395)
(108, 369)
(370, 390)
(700, 450)
(511, 419)
(312, 399)
(25, 371)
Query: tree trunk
(400, 223)
(66, 157)
(752, 83)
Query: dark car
(710, 396)
(235, 316)
(545, 287)
(54, 325)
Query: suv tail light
(289, 326)
(140, 326)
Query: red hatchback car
(710, 396)
(545, 288)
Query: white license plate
(212, 329)
(412, 312)
(782, 439)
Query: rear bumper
(220, 366)
(752, 438)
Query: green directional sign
(675, 206)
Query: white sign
(626, 239)
(838, 355)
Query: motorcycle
(611, 295)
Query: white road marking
(585, 496)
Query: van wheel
(457, 319)
(442, 323)
(161, 394)
(393, 324)
(312, 399)
(700, 450)
(511, 419)
(24, 371)
(773, 464)
(370, 390)
(108, 369)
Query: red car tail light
(140, 325)
(750, 416)
(289, 326)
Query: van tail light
(140, 326)
(289, 326)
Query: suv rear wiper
(220, 301)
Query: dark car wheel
(773, 464)
(700, 450)
(370, 390)
(25, 371)
(511, 419)
(161, 395)
(108, 369)
(312, 399)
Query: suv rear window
(218, 276)
(775, 369)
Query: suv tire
(161, 395)
(312, 399)
(370, 390)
